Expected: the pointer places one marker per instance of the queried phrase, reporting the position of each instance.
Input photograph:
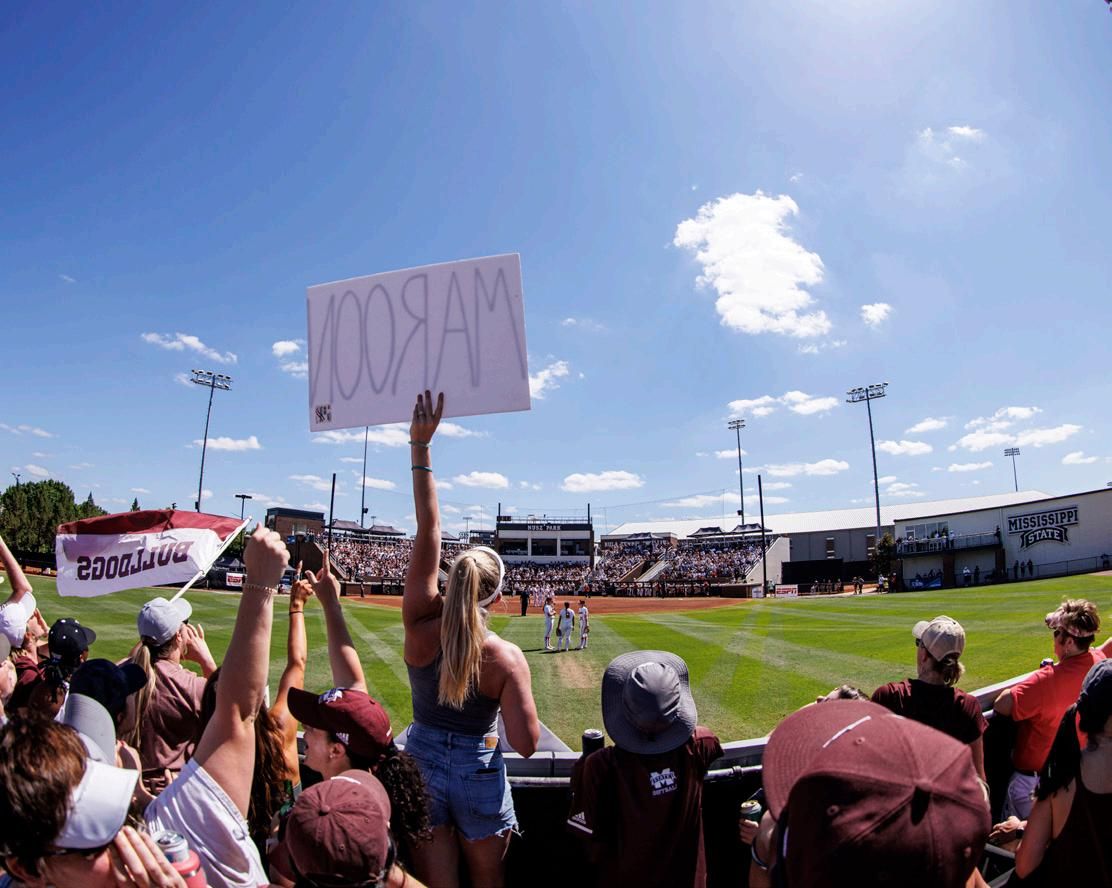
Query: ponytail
(950, 668)
(144, 656)
(463, 627)
(401, 777)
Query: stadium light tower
(1013, 452)
(242, 497)
(213, 381)
(868, 394)
(17, 476)
(737, 425)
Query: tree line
(30, 513)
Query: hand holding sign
(458, 326)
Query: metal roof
(839, 519)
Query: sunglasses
(85, 853)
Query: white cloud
(266, 500)
(492, 480)
(795, 401)
(231, 444)
(376, 483)
(776, 485)
(37, 471)
(875, 313)
(820, 468)
(296, 369)
(139, 490)
(316, 482)
(814, 348)
(966, 132)
(886, 479)
(930, 424)
(452, 430)
(903, 489)
(444, 485)
(1078, 458)
(1042, 437)
(702, 500)
(183, 341)
(769, 500)
(80, 466)
(587, 325)
(182, 379)
(68, 279)
(316, 507)
(804, 404)
(760, 273)
(982, 440)
(761, 406)
(351, 459)
(24, 429)
(795, 177)
(544, 381)
(588, 482)
(730, 454)
(393, 435)
(904, 448)
(449, 509)
(529, 485)
(38, 454)
(1003, 418)
(284, 347)
(969, 467)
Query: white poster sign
(375, 342)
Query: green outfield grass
(751, 663)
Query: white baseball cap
(941, 636)
(93, 722)
(98, 806)
(14, 616)
(159, 619)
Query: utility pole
(243, 498)
(868, 394)
(213, 381)
(737, 425)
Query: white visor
(98, 806)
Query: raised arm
(421, 602)
(227, 747)
(297, 650)
(347, 671)
(20, 586)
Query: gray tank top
(478, 717)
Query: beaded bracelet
(420, 469)
(269, 590)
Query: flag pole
(219, 552)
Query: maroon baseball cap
(865, 797)
(354, 717)
(338, 832)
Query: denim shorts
(466, 781)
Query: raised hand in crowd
(347, 671)
(196, 649)
(293, 676)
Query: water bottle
(183, 858)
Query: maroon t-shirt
(28, 674)
(946, 709)
(646, 812)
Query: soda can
(173, 845)
(592, 740)
(751, 809)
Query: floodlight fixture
(737, 425)
(1013, 452)
(868, 394)
(243, 497)
(212, 381)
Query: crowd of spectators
(614, 564)
(705, 562)
(372, 559)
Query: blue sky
(721, 208)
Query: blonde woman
(461, 675)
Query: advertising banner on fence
(787, 591)
(374, 342)
(97, 556)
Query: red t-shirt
(646, 811)
(946, 709)
(1040, 701)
